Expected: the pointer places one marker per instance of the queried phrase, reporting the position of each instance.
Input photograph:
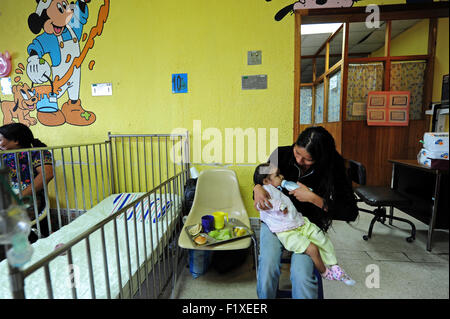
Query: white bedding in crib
(165, 208)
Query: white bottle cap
(194, 172)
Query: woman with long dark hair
(325, 194)
(16, 136)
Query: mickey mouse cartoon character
(62, 24)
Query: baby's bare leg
(313, 252)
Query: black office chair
(378, 196)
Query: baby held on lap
(296, 232)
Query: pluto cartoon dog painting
(24, 102)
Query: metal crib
(86, 174)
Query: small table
(423, 186)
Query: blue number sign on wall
(179, 83)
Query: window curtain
(362, 78)
(318, 110)
(334, 97)
(305, 105)
(409, 76)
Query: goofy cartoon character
(313, 4)
(62, 24)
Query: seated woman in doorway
(314, 163)
(18, 136)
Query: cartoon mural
(55, 57)
(24, 102)
(313, 4)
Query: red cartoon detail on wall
(55, 59)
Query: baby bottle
(290, 186)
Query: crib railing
(149, 275)
(146, 160)
(81, 179)
(85, 174)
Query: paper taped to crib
(159, 205)
(35, 283)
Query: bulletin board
(388, 108)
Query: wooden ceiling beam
(387, 12)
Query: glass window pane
(364, 41)
(310, 43)
(403, 31)
(318, 111)
(305, 105)
(334, 97)
(336, 48)
(306, 70)
(320, 64)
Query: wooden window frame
(345, 16)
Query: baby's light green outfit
(293, 230)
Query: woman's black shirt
(343, 204)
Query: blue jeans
(304, 282)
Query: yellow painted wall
(411, 42)
(144, 42)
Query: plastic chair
(379, 197)
(218, 190)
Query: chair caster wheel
(365, 237)
(410, 239)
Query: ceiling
(362, 41)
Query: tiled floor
(384, 267)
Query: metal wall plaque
(254, 82)
(254, 57)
